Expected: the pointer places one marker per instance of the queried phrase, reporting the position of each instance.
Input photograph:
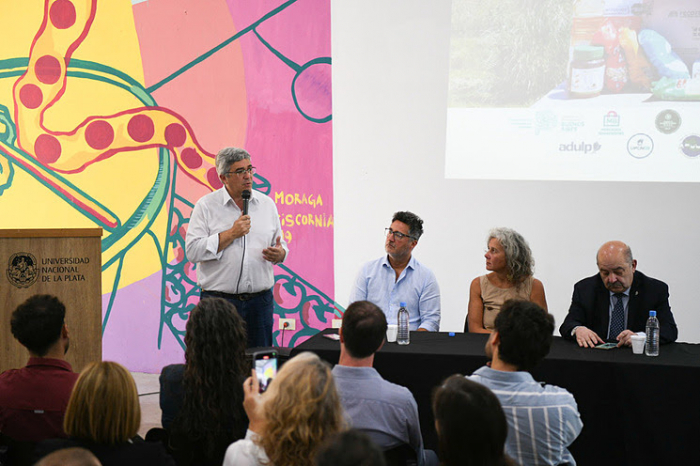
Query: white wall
(390, 66)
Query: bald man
(615, 303)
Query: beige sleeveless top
(494, 297)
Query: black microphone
(246, 199)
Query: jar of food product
(586, 71)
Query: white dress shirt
(216, 212)
(246, 452)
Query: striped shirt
(542, 419)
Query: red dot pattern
(175, 135)
(62, 14)
(47, 148)
(141, 128)
(31, 96)
(48, 69)
(99, 134)
(191, 158)
(213, 178)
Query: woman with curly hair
(470, 423)
(202, 400)
(289, 422)
(510, 261)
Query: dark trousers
(257, 313)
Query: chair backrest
(15, 452)
(403, 455)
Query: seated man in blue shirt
(385, 411)
(542, 419)
(398, 277)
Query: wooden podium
(65, 263)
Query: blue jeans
(257, 313)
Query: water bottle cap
(402, 304)
(652, 313)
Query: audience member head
(510, 254)
(616, 266)
(301, 410)
(227, 157)
(39, 325)
(414, 223)
(350, 448)
(523, 334)
(215, 368)
(470, 424)
(363, 329)
(104, 406)
(70, 457)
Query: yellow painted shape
(120, 182)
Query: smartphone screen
(265, 368)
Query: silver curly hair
(228, 156)
(519, 260)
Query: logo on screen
(668, 121)
(640, 145)
(611, 119)
(22, 270)
(585, 147)
(690, 146)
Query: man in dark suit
(615, 303)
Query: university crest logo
(22, 270)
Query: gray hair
(519, 260)
(414, 222)
(228, 156)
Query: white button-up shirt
(220, 271)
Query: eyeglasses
(397, 234)
(243, 171)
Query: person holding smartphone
(291, 420)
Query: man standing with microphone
(235, 237)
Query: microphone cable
(240, 272)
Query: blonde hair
(304, 411)
(104, 406)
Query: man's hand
(625, 338)
(275, 254)
(240, 227)
(421, 329)
(587, 338)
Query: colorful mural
(110, 115)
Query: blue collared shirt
(386, 412)
(542, 419)
(416, 286)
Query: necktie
(617, 319)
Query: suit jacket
(590, 307)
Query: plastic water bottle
(404, 336)
(651, 348)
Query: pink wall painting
(110, 115)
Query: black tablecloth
(636, 410)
